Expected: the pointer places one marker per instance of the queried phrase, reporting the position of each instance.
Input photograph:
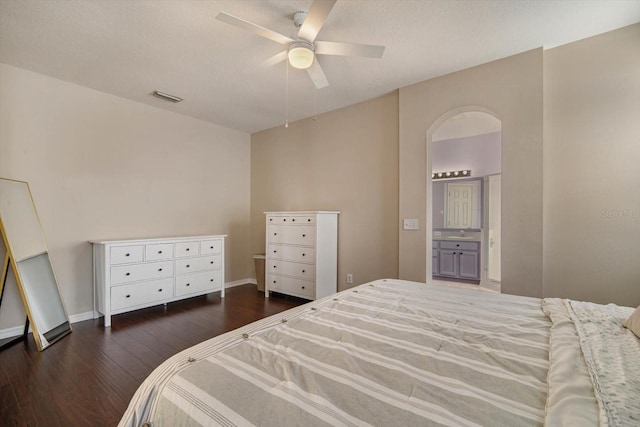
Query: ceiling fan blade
(317, 75)
(278, 57)
(254, 28)
(348, 49)
(314, 21)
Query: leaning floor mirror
(26, 259)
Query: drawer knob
(127, 274)
(293, 220)
(270, 219)
(454, 253)
(285, 220)
(188, 284)
(303, 271)
(275, 252)
(159, 269)
(304, 254)
(275, 234)
(304, 235)
(309, 220)
(159, 252)
(127, 254)
(188, 249)
(211, 262)
(160, 290)
(188, 266)
(128, 296)
(210, 247)
(211, 280)
(274, 281)
(458, 245)
(275, 266)
(303, 287)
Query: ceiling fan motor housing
(298, 18)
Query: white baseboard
(12, 332)
(81, 317)
(74, 318)
(239, 282)
(18, 330)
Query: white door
(461, 199)
(495, 194)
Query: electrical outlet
(349, 278)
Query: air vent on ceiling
(166, 96)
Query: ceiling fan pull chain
(315, 104)
(286, 95)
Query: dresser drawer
(293, 235)
(135, 272)
(301, 220)
(144, 293)
(184, 249)
(190, 265)
(126, 254)
(294, 269)
(291, 286)
(203, 282)
(293, 220)
(292, 253)
(158, 252)
(208, 247)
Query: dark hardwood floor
(88, 378)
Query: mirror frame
(478, 206)
(11, 264)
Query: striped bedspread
(388, 353)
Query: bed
(393, 352)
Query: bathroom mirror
(27, 256)
(457, 204)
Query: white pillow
(633, 322)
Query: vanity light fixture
(451, 174)
(166, 96)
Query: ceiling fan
(301, 52)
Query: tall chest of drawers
(302, 253)
(133, 274)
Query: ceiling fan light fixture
(301, 55)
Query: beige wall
(512, 89)
(346, 160)
(103, 167)
(591, 169)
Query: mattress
(391, 352)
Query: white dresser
(302, 253)
(133, 274)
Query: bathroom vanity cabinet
(456, 259)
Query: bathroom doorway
(464, 199)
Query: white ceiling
(130, 48)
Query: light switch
(410, 224)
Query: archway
(463, 156)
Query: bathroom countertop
(469, 236)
